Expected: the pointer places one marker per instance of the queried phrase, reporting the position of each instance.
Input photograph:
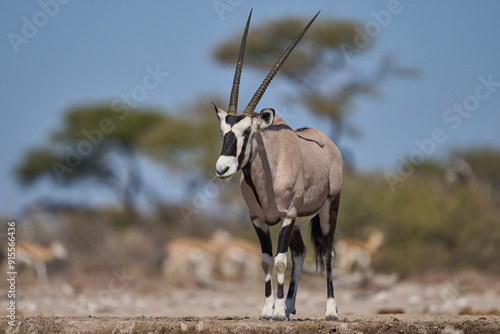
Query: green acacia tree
(191, 142)
(103, 145)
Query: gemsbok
(289, 176)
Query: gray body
(293, 173)
(288, 177)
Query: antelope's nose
(222, 172)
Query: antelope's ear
(219, 112)
(265, 119)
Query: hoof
(279, 318)
(331, 318)
(264, 317)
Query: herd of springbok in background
(223, 257)
(204, 261)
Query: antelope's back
(320, 154)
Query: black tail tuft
(316, 238)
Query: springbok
(34, 254)
(289, 176)
(195, 258)
(239, 260)
(356, 254)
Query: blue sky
(95, 51)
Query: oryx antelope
(289, 176)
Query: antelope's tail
(316, 238)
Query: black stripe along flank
(248, 179)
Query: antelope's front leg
(280, 264)
(262, 230)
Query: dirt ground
(351, 324)
(123, 303)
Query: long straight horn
(233, 100)
(258, 94)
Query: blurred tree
(191, 143)
(428, 226)
(320, 68)
(104, 145)
(485, 163)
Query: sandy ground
(367, 324)
(122, 303)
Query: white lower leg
(267, 265)
(267, 310)
(279, 308)
(331, 308)
(280, 265)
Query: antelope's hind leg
(298, 250)
(328, 221)
(262, 231)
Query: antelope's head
(237, 129)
